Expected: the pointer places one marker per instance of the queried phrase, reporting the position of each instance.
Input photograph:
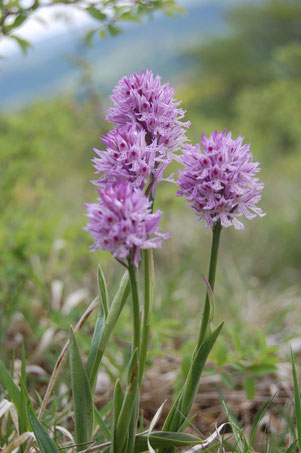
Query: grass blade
(297, 401)
(23, 420)
(82, 396)
(241, 442)
(44, 441)
(163, 439)
(99, 421)
(258, 418)
(9, 384)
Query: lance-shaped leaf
(100, 322)
(103, 290)
(117, 405)
(208, 441)
(297, 400)
(9, 384)
(131, 395)
(161, 439)
(100, 422)
(194, 374)
(102, 333)
(181, 408)
(24, 397)
(46, 444)
(82, 396)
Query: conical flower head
(141, 98)
(122, 222)
(129, 158)
(220, 182)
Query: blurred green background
(235, 66)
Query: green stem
(216, 231)
(148, 297)
(135, 300)
(135, 345)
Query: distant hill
(48, 69)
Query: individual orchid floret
(129, 158)
(122, 222)
(141, 98)
(220, 182)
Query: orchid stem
(148, 297)
(135, 301)
(216, 232)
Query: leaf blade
(9, 384)
(82, 396)
(43, 439)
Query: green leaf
(227, 380)
(263, 368)
(242, 444)
(96, 13)
(292, 448)
(100, 323)
(45, 442)
(96, 341)
(24, 397)
(221, 353)
(101, 424)
(113, 30)
(118, 400)
(198, 363)
(163, 439)
(147, 309)
(22, 43)
(117, 405)
(82, 396)
(297, 400)
(127, 15)
(89, 36)
(103, 33)
(178, 414)
(257, 420)
(17, 22)
(9, 384)
(249, 386)
(102, 291)
(113, 315)
(131, 395)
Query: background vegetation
(247, 80)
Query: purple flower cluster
(219, 183)
(148, 130)
(141, 98)
(123, 223)
(128, 157)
